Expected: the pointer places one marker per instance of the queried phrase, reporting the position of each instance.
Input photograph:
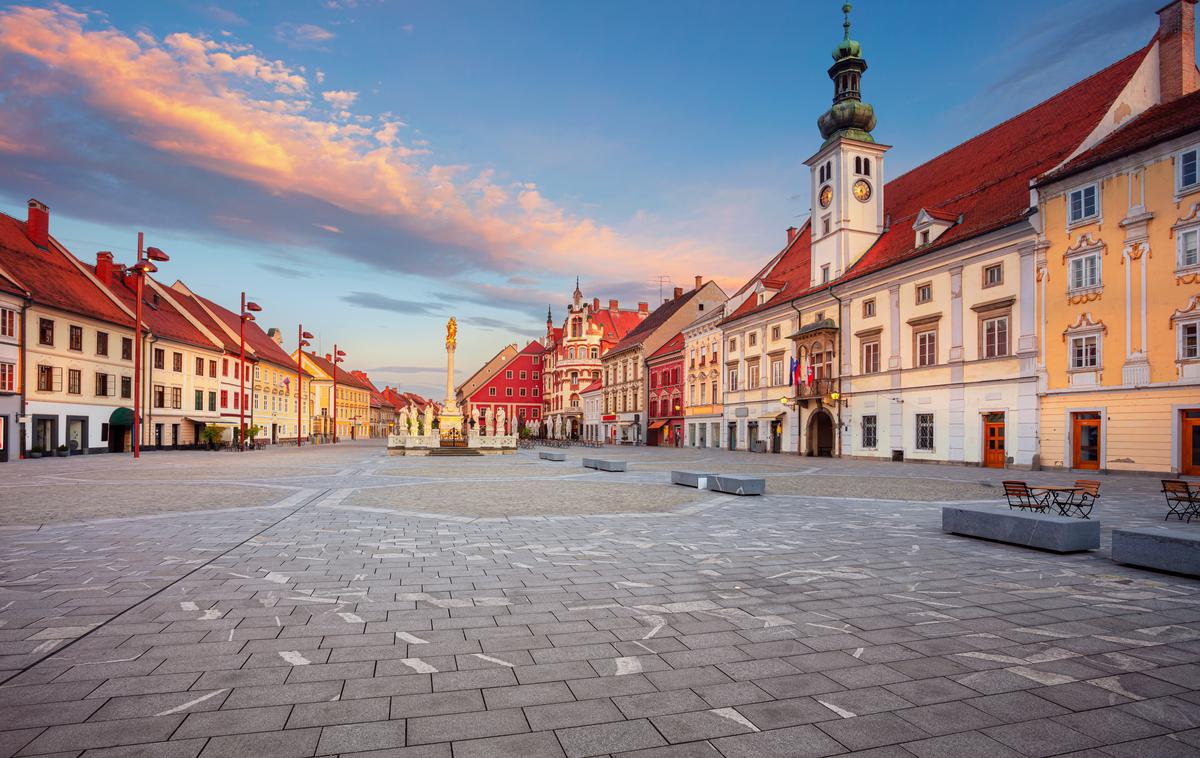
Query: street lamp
(302, 341)
(247, 314)
(338, 357)
(145, 265)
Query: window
(212, 401)
(752, 376)
(1188, 176)
(235, 401)
(212, 369)
(776, 332)
(924, 293)
(1189, 250)
(224, 367)
(776, 372)
(1083, 272)
(199, 400)
(927, 348)
(995, 337)
(1189, 341)
(993, 275)
(732, 344)
(508, 391)
(1081, 204)
(870, 357)
(1085, 352)
(523, 392)
(8, 323)
(127, 348)
(825, 273)
(733, 380)
(869, 432)
(924, 431)
(46, 332)
(869, 308)
(752, 339)
(177, 362)
(76, 338)
(523, 375)
(537, 359)
(491, 391)
(102, 385)
(825, 225)
(49, 379)
(127, 387)
(8, 377)
(101, 343)
(160, 358)
(199, 367)
(924, 237)
(595, 353)
(160, 396)
(74, 381)
(224, 398)
(714, 392)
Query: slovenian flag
(793, 371)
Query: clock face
(862, 190)
(826, 196)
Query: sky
(371, 167)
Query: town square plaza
(335, 600)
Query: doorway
(776, 435)
(820, 434)
(994, 454)
(732, 444)
(1085, 437)
(1189, 427)
(45, 433)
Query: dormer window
(932, 224)
(924, 237)
(1082, 204)
(1189, 172)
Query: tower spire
(850, 116)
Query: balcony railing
(818, 388)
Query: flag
(809, 378)
(792, 373)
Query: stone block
(738, 485)
(697, 479)
(549, 455)
(602, 464)
(1172, 550)
(1058, 534)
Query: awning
(121, 417)
(771, 416)
(658, 425)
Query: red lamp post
(302, 341)
(338, 356)
(145, 265)
(247, 314)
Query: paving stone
(1111, 725)
(685, 727)
(387, 685)
(436, 704)
(293, 742)
(791, 742)
(103, 734)
(527, 694)
(958, 745)
(239, 721)
(353, 738)
(1040, 737)
(340, 712)
(703, 749)
(863, 732)
(775, 714)
(944, 718)
(533, 745)
(310, 692)
(472, 680)
(1011, 707)
(603, 739)
(426, 729)
(864, 701)
(565, 715)
(172, 749)
(928, 691)
(733, 693)
(659, 703)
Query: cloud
(303, 36)
(190, 122)
(379, 302)
(223, 15)
(340, 98)
(407, 370)
(285, 271)
(329, 228)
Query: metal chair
(1182, 500)
(1087, 492)
(1020, 496)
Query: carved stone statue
(475, 418)
(451, 333)
(495, 423)
(487, 421)
(502, 421)
(557, 427)
(429, 419)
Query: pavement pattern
(410, 627)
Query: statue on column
(502, 421)
(451, 333)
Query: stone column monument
(450, 417)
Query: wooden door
(1085, 434)
(1190, 429)
(993, 440)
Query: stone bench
(601, 464)
(548, 455)
(1059, 534)
(697, 479)
(737, 485)
(1165, 549)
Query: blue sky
(373, 167)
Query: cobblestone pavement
(788, 625)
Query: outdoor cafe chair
(1182, 500)
(1020, 496)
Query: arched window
(571, 353)
(857, 165)
(866, 166)
(595, 353)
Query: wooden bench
(1059, 534)
(1171, 550)
(547, 455)
(697, 479)
(602, 464)
(737, 485)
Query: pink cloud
(226, 109)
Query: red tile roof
(52, 278)
(160, 317)
(265, 348)
(657, 318)
(672, 346)
(343, 377)
(533, 348)
(13, 288)
(596, 384)
(1156, 125)
(615, 325)
(985, 180)
(192, 305)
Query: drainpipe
(796, 392)
(839, 377)
(21, 376)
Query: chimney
(791, 232)
(613, 305)
(1177, 50)
(643, 307)
(595, 304)
(275, 335)
(678, 292)
(699, 281)
(38, 225)
(104, 267)
(329, 357)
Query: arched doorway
(120, 430)
(820, 434)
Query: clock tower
(847, 172)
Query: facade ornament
(1192, 309)
(1085, 242)
(1083, 297)
(1134, 251)
(1084, 323)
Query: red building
(512, 383)
(665, 410)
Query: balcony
(819, 390)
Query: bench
(546, 455)
(1059, 534)
(1172, 550)
(601, 464)
(738, 485)
(697, 479)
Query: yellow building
(1119, 297)
(702, 399)
(353, 400)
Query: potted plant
(35, 451)
(211, 436)
(63, 451)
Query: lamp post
(145, 265)
(338, 356)
(246, 314)
(302, 341)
